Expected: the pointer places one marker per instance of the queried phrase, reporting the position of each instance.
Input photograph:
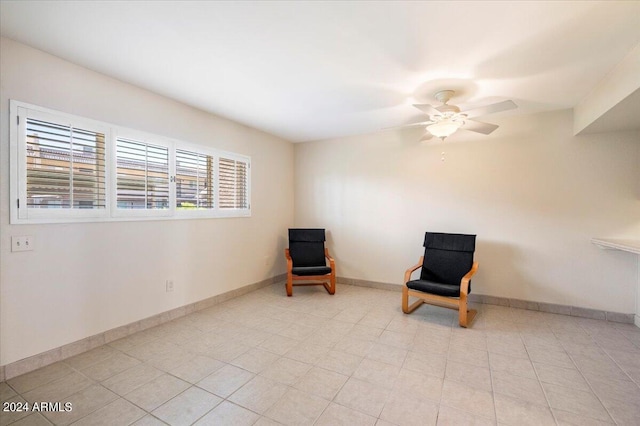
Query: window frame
(196, 213)
(18, 166)
(148, 140)
(20, 111)
(234, 212)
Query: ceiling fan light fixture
(445, 120)
(444, 128)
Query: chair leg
(462, 315)
(465, 316)
(289, 285)
(331, 285)
(405, 301)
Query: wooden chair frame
(465, 316)
(329, 286)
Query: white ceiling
(316, 70)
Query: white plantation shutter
(194, 180)
(233, 183)
(142, 180)
(65, 166)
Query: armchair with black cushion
(307, 260)
(445, 277)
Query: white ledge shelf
(632, 246)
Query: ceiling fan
(446, 119)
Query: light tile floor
(349, 359)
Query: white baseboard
(40, 360)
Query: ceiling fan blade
(479, 126)
(404, 126)
(426, 137)
(490, 109)
(430, 110)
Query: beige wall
(533, 193)
(83, 279)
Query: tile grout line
(99, 383)
(166, 336)
(586, 380)
(492, 392)
(95, 383)
(493, 388)
(618, 365)
(444, 376)
(535, 371)
(591, 387)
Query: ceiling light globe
(444, 128)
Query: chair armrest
(464, 283)
(332, 263)
(408, 272)
(289, 260)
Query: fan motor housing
(448, 108)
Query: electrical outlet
(22, 243)
(169, 285)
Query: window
(194, 180)
(58, 166)
(65, 168)
(142, 175)
(233, 191)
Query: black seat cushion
(311, 270)
(452, 242)
(446, 290)
(447, 257)
(306, 247)
(307, 234)
(306, 254)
